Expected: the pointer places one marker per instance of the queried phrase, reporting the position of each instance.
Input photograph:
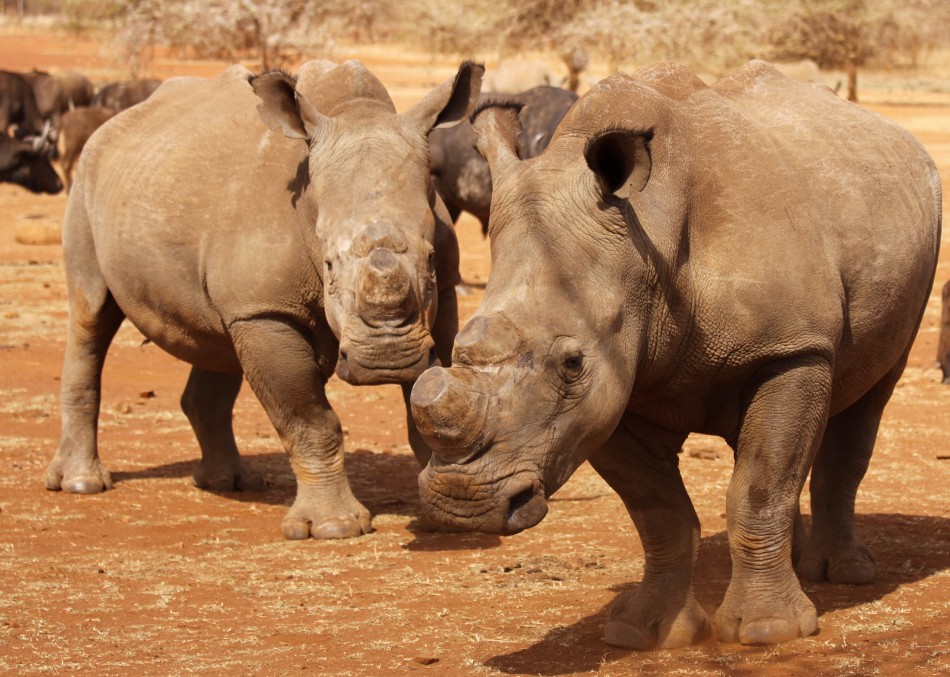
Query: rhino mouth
(507, 506)
(361, 369)
(371, 356)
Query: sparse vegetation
(706, 35)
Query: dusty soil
(158, 577)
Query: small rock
(426, 660)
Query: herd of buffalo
(37, 109)
(749, 259)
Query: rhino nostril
(525, 509)
(519, 501)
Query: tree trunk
(852, 69)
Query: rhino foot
(325, 517)
(639, 622)
(763, 616)
(851, 565)
(234, 476)
(77, 476)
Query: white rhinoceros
(749, 260)
(276, 256)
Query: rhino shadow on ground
(909, 548)
(385, 483)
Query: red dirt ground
(157, 577)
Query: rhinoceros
(279, 256)
(749, 260)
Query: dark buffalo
(57, 94)
(121, 95)
(18, 106)
(26, 163)
(76, 128)
(461, 174)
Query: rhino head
(543, 371)
(374, 209)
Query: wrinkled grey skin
(749, 260)
(274, 255)
(461, 174)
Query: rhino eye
(572, 366)
(330, 280)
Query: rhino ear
(451, 102)
(281, 106)
(497, 126)
(621, 160)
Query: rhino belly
(177, 318)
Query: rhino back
(791, 220)
(192, 208)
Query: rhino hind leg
(94, 319)
(662, 612)
(833, 551)
(288, 373)
(208, 402)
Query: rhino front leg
(208, 402)
(780, 434)
(280, 364)
(662, 612)
(94, 319)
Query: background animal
(75, 129)
(121, 95)
(943, 345)
(275, 257)
(59, 93)
(18, 108)
(514, 77)
(749, 260)
(27, 164)
(462, 176)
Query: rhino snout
(505, 505)
(451, 410)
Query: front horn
(450, 407)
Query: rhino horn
(385, 288)
(451, 412)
